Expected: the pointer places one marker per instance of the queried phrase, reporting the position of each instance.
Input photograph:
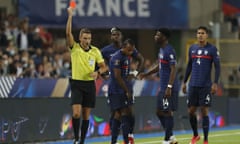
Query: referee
(84, 56)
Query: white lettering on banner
(143, 9)
(60, 7)
(111, 8)
(126, 8)
(79, 8)
(94, 7)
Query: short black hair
(165, 31)
(115, 29)
(128, 41)
(203, 28)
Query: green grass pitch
(215, 137)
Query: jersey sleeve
(115, 62)
(216, 61)
(189, 66)
(99, 57)
(216, 55)
(172, 57)
(135, 53)
(104, 52)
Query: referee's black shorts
(83, 92)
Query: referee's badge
(91, 62)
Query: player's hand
(105, 75)
(70, 11)
(168, 92)
(141, 76)
(132, 75)
(129, 95)
(184, 88)
(214, 88)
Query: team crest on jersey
(205, 52)
(161, 56)
(126, 62)
(171, 56)
(199, 52)
(117, 62)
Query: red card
(72, 3)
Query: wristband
(169, 86)
(135, 73)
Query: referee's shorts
(83, 93)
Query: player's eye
(201, 33)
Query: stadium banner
(137, 14)
(12, 87)
(33, 88)
(233, 116)
(48, 119)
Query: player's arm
(135, 72)
(140, 59)
(120, 81)
(188, 72)
(189, 67)
(216, 61)
(171, 80)
(138, 56)
(172, 74)
(104, 54)
(150, 72)
(70, 39)
(105, 75)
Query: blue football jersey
(166, 57)
(122, 62)
(201, 60)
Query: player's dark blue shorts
(170, 103)
(199, 96)
(118, 101)
(83, 92)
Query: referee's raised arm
(70, 39)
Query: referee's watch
(169, 86)
(98, 72)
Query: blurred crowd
(30, 51)
(234, 19)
